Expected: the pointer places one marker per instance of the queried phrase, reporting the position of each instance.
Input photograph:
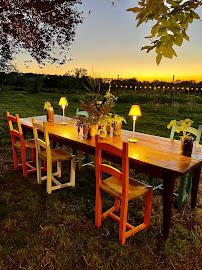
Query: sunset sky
(108, 43)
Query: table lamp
(134, 111)
(63, 103)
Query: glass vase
(50, 115)
(186, 146)
(117, 129)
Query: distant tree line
(35, 83)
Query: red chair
(22, 144)
(121, 187)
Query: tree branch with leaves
(172, 19)
(44, 28)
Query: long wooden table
(153, 155)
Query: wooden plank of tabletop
(151, 150)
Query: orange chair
(22, 144)
(122, 188)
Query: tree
(6, 65)
(172, 18)
(44, 28)
(77, 72)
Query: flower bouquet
(186, 140)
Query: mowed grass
(57, 231)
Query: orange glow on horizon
(140, 76)
(141, 70)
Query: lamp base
(63, 123)
(133, 140)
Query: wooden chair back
(194, 131)
(18, 142)
(15, 132)
(41, 144)
(82, 113)
(104, 168)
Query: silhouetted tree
(6, 65)
(39, 27)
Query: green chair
(183, 193)
(78, 153)
(83, 113)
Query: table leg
(168, 188)
(195, 184)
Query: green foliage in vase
(118, 119)
(172, 19)
(97, 110)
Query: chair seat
(28, 144)
(113, 186)
(57, 155)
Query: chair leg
(49, 177)
(189, 183)
(79, 160)
(59, 168)
(117, 204)
(33, 156)
(123, 219)
(148, 205)
(38, 167)
(15, 160)
(98, 206)
(73, 169)
(151, 181)
(181, 192)
(75, 152)
(86, 157)
(24, 162)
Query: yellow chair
(122, 188)
(51, 156)
(21, 144)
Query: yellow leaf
(158, 58)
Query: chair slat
(15, 133)
(41, 143)
(110, 149)
(38, 126)
(111, 170)
(12, 118)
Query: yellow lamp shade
(63, 102)
(135, 110)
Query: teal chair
(183, 193)
(83, 113)
(78, 153)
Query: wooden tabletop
(153, 155)
(150, 150)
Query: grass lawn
(57, 231)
